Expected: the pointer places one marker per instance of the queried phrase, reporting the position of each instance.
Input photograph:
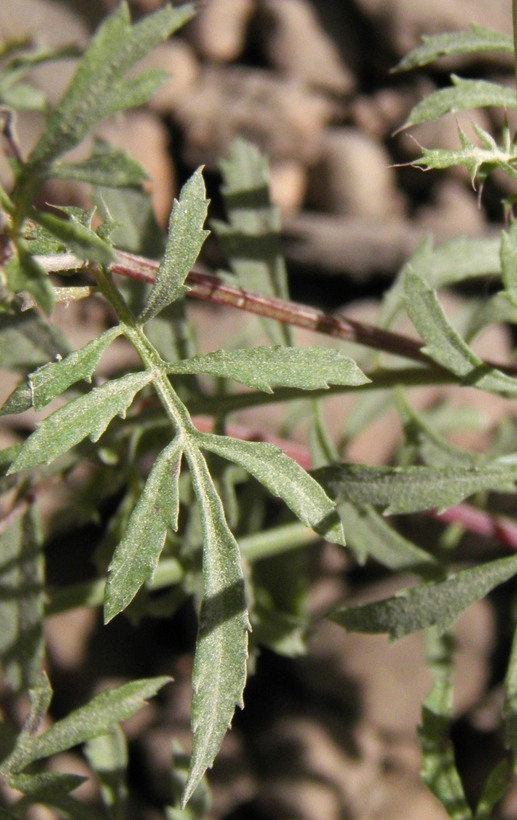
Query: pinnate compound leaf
(96, 718)
(99, 88)
(451, 43)
(411, 489)
(283, 477)
(509, 262)
(114, 169)
(80, 240)
(185, 239)
(137, 555)
(445, 346)
(222, 643)
(463, 95)
(432, 604)
(87, 415)
(21, 602)
(309, 368)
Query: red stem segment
(210, 288)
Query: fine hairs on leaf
(180, 505)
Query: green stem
(382, 380)
(169, 571)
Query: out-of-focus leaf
(114, 169)
(185, 239)
(452, 43)
(87, 415)
(411, 489)
(432, 604)
(23, 273)
(509, 262)
(107, 755)
(99, 87)
(27, 341)
(21, 602)
(370, 536)
(439, 771)
(82, 241)
(251, 240)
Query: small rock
(283, 118)
(291, 31)
(353, 177)
(288, 181)
(218, 32)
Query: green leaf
(200, 802)
(21, 602)
(54, 378)
(439, 771)
(432, 604)
(96, 718)
(87, 415)
(309, 368)
(452, 43)
(80, 240)
(463, 95)
(115, 169)
(429, 445)
(135, 227)
(251, 240)
(496, 785)
(27, 341)
(107, 755)
(479, 160)
(40, 695)
(444, 345)
(221, 651)
(99, 87)
(411, 489)
(509, 262)
(185, 239)
(283, 477)
(137, 555)
(23, 273)
(370, 536)
(44, 785)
